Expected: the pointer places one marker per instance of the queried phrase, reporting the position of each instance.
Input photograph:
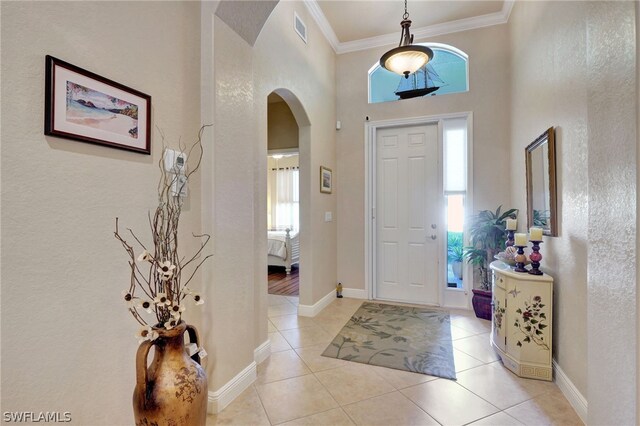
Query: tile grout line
(255, 389)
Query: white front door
(407, 214)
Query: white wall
(563, 56)
(67, 340)
(488, 99)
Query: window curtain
(284, 200)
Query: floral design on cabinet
(498, 313)
(532, 322)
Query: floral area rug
(400, 337)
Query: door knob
(433, 236)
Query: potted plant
(455, 254)
(487, 237)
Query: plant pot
(456, 267)
(173, 389)
(481, 302)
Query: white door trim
(370, 129)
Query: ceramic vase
(173, 389)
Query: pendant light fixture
(407, 58)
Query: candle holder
(509, 242)
(520, 258)
(535, 257)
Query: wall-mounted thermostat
(175, 161)
(179, 186)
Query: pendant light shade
(407, 58)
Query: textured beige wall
(282, 127)
(235, 198)
(488, 99)
(67, 339)
(283, 61)
(548, 88)
(563, 56)
(230, 325)
(637, 207)
(611, 301)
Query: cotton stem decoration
(160, 277)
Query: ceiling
(351, 25)
(354, 20)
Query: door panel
(408, 202)
(390, 193)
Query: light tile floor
(298, 386)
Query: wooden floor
(281, 283)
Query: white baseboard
(573, 395)
(219, 399)
(355, 293)
(262, 352)
(313, 310)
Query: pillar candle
(512, 224)
(521, 239)
(535, 234)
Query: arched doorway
(288, 200)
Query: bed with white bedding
(283, 248)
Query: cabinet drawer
(499, 280)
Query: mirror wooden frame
(547, 137)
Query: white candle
(512, 224)
(535, 234)
(521, 239)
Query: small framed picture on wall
(325, 180)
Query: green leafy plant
(487, 237)
(541, 217)
(455, 251)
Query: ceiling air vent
(300, 27)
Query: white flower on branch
(146, 305)
(145, 256)
(128, 298)
(169, 271)
(176, 310)
(146, 333)
(171, 323)
(198, 299)
(165, 269)
(161, 300)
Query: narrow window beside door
(455, 189)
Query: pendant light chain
(407, 58)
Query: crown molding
(323, 23)
(465, 24)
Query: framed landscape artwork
(325, 180)
(84, 106)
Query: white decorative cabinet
(522, 321)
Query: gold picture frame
(540, 161)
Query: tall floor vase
(173, 389)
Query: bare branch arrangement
(159, 276)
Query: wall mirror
(541, 183)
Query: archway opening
(287, 195)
